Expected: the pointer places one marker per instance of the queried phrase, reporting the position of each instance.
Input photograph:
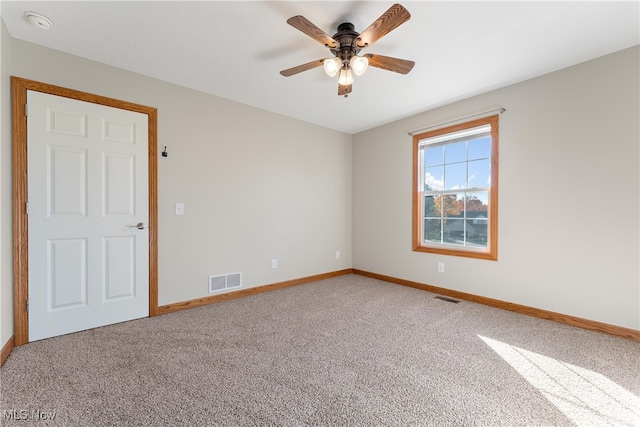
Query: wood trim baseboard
(7, 349)
(592, 325)
(177, 306)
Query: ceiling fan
(347, 43)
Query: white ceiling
(235, 49)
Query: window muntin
(455, 189)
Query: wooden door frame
(19, 88)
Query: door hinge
(27, 305)
(27, 207)
(26, 110)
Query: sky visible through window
(458, 166)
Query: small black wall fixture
(164, 152)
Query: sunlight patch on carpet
(584, 396)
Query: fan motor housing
(346, 37)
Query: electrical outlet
(337, 254)
(274, 264)
(441, 267)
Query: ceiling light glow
(359, 64)
(331, 66)
(345, 77)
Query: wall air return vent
(224, 282)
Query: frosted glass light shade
(331, 66)
(359, 64)
(345, 77)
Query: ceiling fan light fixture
(347, 43)
(332, 65)
(345, 78)
(359, 64)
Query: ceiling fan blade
(300, 68)
(307, 27)
(387, 22)
(344, 89)
(402, 66)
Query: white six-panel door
(88, 192)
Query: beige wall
(256, 185)
(568, 187)
(6, 270)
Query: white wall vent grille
(224, 282)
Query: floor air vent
(455, 301)
(224, 282)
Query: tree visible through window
(455, 196)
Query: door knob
(139, 226)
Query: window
(455, 190)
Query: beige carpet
(345, 351)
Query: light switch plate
(179, 208)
